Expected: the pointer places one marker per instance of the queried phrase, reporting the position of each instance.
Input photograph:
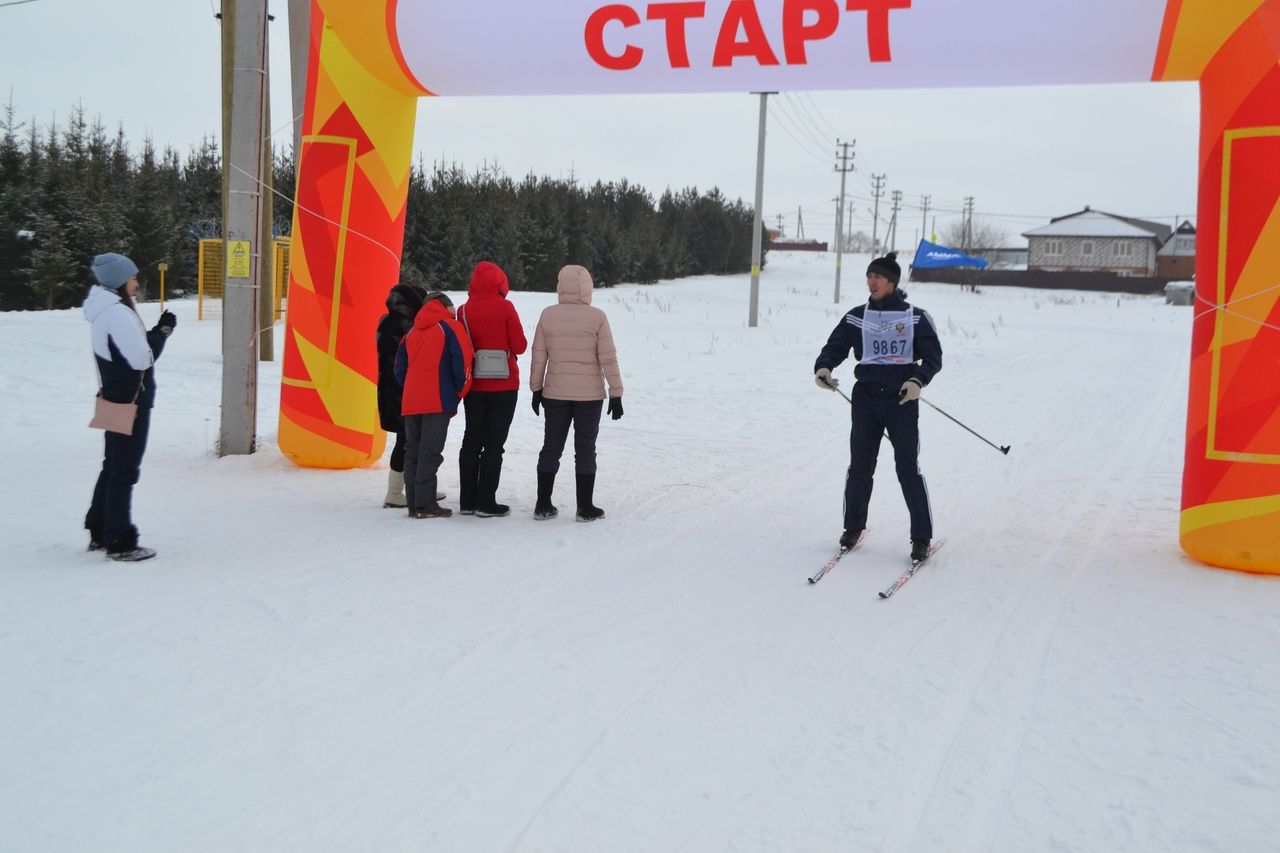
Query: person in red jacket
(497, 336)
(433, 364)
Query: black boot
(850, 538)
(587, 511)
(468, 476)
(543, 509)
(487, 505)
(919, 549)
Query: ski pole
(838, 391)
(1004, 450)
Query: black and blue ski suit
(892, 342)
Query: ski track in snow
(301, 669)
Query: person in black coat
(403, 303)
(898, 352)
(125, 353)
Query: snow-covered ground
(301, 669)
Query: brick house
(1177, 257)
(1094, 241)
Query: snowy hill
(301, 669)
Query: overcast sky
(1024, 154)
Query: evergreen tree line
(71, 190)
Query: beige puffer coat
(573, 352)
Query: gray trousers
(423, 453)
(584, 416)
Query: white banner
(508, 47)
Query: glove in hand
(615, 407)
(537, 402)
(167, 322)
(824, 380)
(910, 391)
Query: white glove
(824, 380)
(910, 391)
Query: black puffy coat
(403, 303)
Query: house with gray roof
(1096, 241)
(1177, 257)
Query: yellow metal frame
(1211, 451)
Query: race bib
(888, 337)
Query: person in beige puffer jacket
(573, 358)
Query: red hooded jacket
(493, 323)
(434, 363)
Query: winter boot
(131, 555)
(395, 491)
(850, 538)
(431, 512)
(468, 491)
(587, 511)
(919, 549)
(543, 509)
(487, 505)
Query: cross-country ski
(831, 564)
(916, 565)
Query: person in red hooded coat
(433, 364)
(492, 323)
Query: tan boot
(395, 491)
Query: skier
(433, 364)
(573, 358)
(898, 352)
(494, 327)
(126, 355)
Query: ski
(831, 564)
(915, 567)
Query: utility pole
(893, 221)
(266, 238)
(877, 190)
(799, 223)
(244, 54)
(844, 169)
(753, 311)
(968, 223)
(924, 217)
(779, 223)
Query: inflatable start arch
(372, 60)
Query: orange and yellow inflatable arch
(372, 60)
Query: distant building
(1177, 257)
(785, 245)
(1004, 258)
(1094, 241)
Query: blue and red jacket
(492, 323)
(433, 363)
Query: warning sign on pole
(238, 259)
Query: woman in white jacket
(573, 358)
(125, 353)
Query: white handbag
(490, 363)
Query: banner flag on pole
(931, 256)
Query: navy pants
(873, 416)
(584, 416)
(423, 452)
(110, 516)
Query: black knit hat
(887, 267)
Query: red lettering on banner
(877, 24)
(795, 32)
(741, 34)
(675, 14)
(594, 36)
(742, 14)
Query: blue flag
(932, 256)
